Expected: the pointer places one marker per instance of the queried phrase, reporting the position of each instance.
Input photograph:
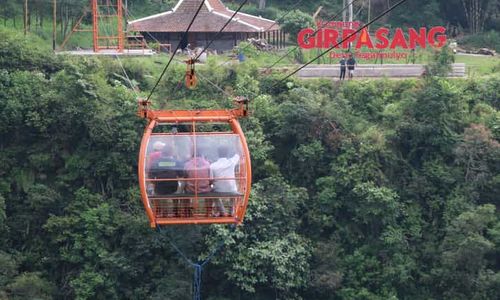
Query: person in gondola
(222, 172)
(151, 161)
(169, 168)
(197, 171)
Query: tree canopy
(367, 190)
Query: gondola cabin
(194, 166)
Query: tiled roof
(212, 17)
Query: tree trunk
(65, 20)
(61, 21)
(475, 14)
(29, 19)
(41, 14)
(25, 17)
(262, 4)
(344, 13)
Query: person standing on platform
(342, 68)
(351, 63)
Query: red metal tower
(107, 25)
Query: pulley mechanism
(191, 79)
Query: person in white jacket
(222, 172)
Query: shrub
(490, 39)
(268, 12)
(440, 62)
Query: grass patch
(479, 65)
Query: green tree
(294, 22)
(29, 286)
(267, 253)
(441, 62)
(465, 261)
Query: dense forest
(365, 190)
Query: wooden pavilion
(168, 27)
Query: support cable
(147, 32)
(275, 22)
(197, 266)
(343, 40)
(175, 51)
(215, 85)
(220, 31)
(198, 73)
(313, 34)
(118, 58)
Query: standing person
(198, 173)
(342, 68)
(222, 172)
(351, 63)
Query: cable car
(194, 166)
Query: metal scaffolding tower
(107, 24)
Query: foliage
(366, 190)
(441, 61)
(268, 12)
(267, 251)
(16, 52)
(294, 22)
(490, 39)
(464, 264)
(29, 286)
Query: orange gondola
(194, 166)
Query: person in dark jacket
(167, 169)
(342, 68)
(351, 63)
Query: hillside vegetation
(366, 190)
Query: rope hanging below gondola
(197, 266)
